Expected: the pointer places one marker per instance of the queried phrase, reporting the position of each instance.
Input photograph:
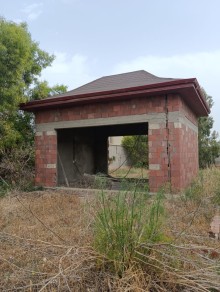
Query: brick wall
(173, 149)
(189, 164)
(46, 158)
(135, 106)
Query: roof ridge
(93, 81)
(125, 73)
(117, 81)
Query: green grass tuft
(123, 222)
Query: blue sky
(94, 38)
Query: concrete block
(51, 165)
(39, 134)
(154, 166)
(177, 125)
(51, 133)
(153, 126)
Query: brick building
(72, 129)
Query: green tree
(209, 145)
(21, 63)
(43, 90)
(136, 148)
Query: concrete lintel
(144, 118)
(154, 119)
(154, 166)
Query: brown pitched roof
(125, 86)
(115, 82)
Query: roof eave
(125, 93)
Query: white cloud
(205, 66)
(34, 15)
(17, 20)
(33, 11)
(69, 1)
(72, 71)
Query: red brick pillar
(46, 158)
(189, 154)
(173, 155)
(158, 158)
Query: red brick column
(158, 158)
(173, 155)
(46, 158)
(189, 155)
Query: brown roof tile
(119, 81)
(124, 86)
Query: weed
(205, 186)
(101, 181)
(195, 190)
(123, 222)
(130, 172)
(4, 187)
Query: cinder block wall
(172, 136)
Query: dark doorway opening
(83, 153)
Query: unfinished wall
(172, 134)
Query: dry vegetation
(129, 172)
(47, 245)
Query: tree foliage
(136, 148)
(209, 145)
(21, 63)
(42, 90)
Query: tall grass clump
(205, 187)
(123, 222)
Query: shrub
(123, 222)
(16, 168)
(136, 148)
(205, 186)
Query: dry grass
(46, 245)
(42, 233)
(129, 172)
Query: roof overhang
(188, 89)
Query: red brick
(183, 145)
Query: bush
(205, 186)
(123, 222)
(17, 168)
(136, 148)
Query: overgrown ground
(129, 172)
(47, 244)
